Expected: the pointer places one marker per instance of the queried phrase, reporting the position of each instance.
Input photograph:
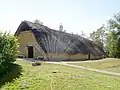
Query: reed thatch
(54, 41)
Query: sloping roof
(61, 42)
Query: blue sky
(75, 15)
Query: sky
(75, 15)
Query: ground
(109, 64)
(58, 77)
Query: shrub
(8, 51)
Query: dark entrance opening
(30, 52)
(88, 56)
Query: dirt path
(76, 61)
(71, 65)
(95, 70)
(90, 69)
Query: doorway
(30, 51)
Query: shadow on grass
(13, 73)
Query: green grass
(110, 64)
(58, 77)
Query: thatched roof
(54, 41)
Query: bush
(8, 51)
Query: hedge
(8, 51)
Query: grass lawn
(58, 77)
(110, 64)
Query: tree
(82, 34)
(113, 38)
(99, 36)
(112, 44)
(38, 22)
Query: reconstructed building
(37, 40)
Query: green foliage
(113, 38)
(8, 51)
(112, 44)
(98, 36)
(68, 50)
(38, 22)
(109, 37)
